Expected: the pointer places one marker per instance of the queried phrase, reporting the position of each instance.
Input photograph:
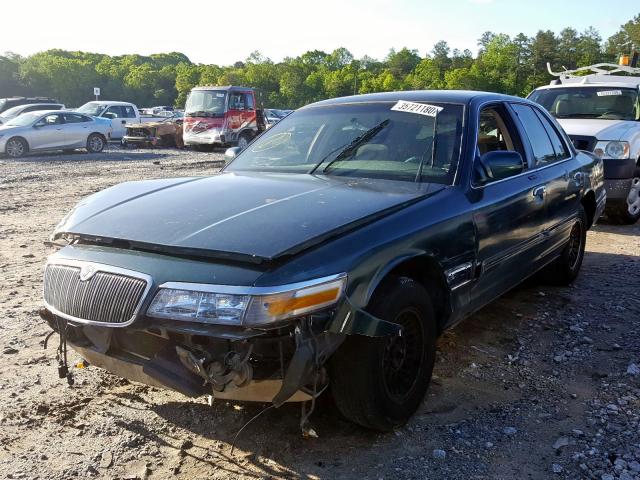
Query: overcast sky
(223, 32)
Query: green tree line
(513, 65)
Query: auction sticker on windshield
(419, 108)
(609, 93)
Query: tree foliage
(513, 65)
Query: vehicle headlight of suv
(612, 149)
(245, 306)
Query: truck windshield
(206, 103)
(91, 108)
(607, 103)
(367, 140)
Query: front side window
(237, 101)
(543, 151)
(367, 140)
(53, 119)
(115, 111)
(129, 112)
(612, 103)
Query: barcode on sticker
(419, 108)
(608, 93)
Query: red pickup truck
(221, 116)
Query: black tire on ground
(565, 269)
(16, 147)
(203, 148)
(380, 382)
(626, 212)
(95, 143)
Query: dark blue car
(332, 251)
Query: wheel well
(21, 138)
(589, 204)
(99, 134)
(426, 271)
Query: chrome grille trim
(113, 296)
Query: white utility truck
(599, 108)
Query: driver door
(48, 133)
(508, 213)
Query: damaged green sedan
(332, 251)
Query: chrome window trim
(101, 267)
(250, 290)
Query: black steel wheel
(380, 382)
(566, 267)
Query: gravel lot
(543, 383)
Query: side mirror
(109, 115)
(38, 125)
(499, 164)
(231, 153)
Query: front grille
(106, 297)
(583, 142)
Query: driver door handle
(539, 192)
(578, 178)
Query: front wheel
(627, 212)
(565, 269)
(380, 382)
(95, 143)
(16, 147)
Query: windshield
(206, 103)
(607, 103)
(91, 108)
(367, 140)
(24, 120)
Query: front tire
(380, 382)
(95, 143)
(565, 269)
(16, 147)
(627, 212)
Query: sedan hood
(242, 216)
(601, 129)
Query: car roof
(222, 87)
(443, 96)
(111, 102)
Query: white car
(601, 114)
(53, 130)
(29, 107)
(118, 113)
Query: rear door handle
(539, 192)
(578, 178)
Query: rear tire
(16, 147)
(380, 382)
(95, 143)
(565, 269)
(627, 212)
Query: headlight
(246, 306)
(614, 149)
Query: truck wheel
(380, 382)
(627, 212)
(16, 147)
(95, 143)
(565, 268)
(243, 141)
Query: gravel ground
(543, 383)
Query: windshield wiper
(351, 147)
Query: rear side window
(543, 151)
(75, 118)
(558, 144)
